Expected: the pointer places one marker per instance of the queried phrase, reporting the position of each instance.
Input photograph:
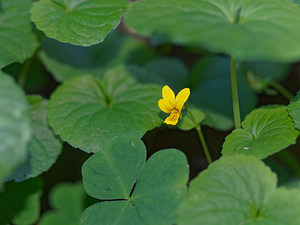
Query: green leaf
(20, 202)
(294, 110)
(17, 40)
(161, 187)
(68, 201)
(119, 178)
(14, 125)
(64, 61)
(111, 174)
(107, 213)
(43, 147)
(239, 189)
(244, 29)
(78, 22)
(172, 71)
(88, 113)
(211, 92)
(164, 71)
(266, 131)
(189, 121)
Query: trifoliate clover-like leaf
(138, 193)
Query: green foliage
(294, 110)
(211, 92)
(266, 131)
(17, 40)
(160, 184)
(88, 112)
(20, 202)
(43, 148)
(62, 61)
(190, 120)
(84, 22)
(68, 201)
(14, 126)
(246, 30)
(102, 65)
(239, 190)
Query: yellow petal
(165, 106)
(179, 106)
(182, 97)
(172, 119)
(169, 95)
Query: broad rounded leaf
(78, 22)
(266, 131)
(17, 40)
(43, 147)
(14, 125)
(294, 110)
(20, 202)
(160, 187)
(244, 29)
(88, 113)
(211, 92)
(239, 190)
(112, 172)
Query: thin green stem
(203, 142)
(288, 95)
(235, 96)
(201, 137)
(24, 73)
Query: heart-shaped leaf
(239, 189)
(14, 125)
(88, 113)
(266, 131)
(244, 29)
(294, 110)
(17, 40)
(83, 22)
(43, 147)
(111, 174)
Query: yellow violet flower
(172, 104)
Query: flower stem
(235, 96)
(203, 142)
(201, 136)
(288, 95)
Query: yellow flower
(170, 104)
